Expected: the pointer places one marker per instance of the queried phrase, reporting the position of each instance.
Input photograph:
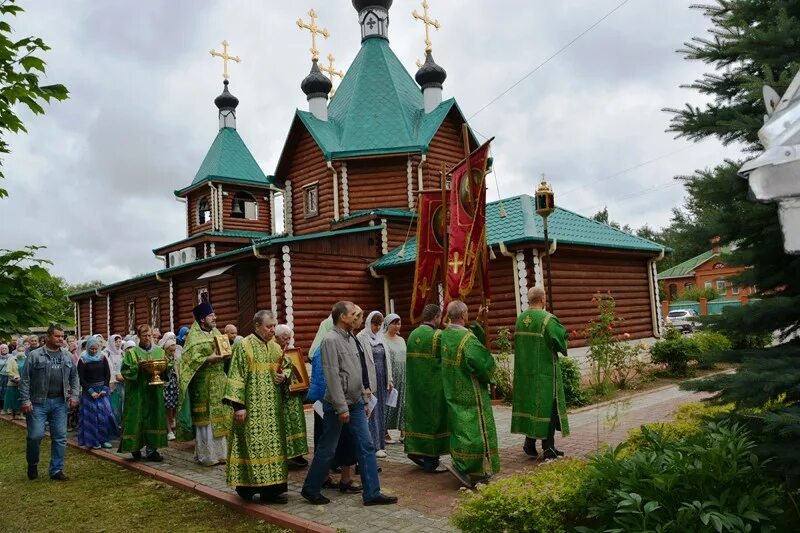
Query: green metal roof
(244, 250)
(377, 109)
(522, 224)
(236, 234)
(381, 212)
(686, 268)
(229, 160)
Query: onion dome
(360, 5)
(316, 84)
(226, 100)
(430, 74)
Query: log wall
(446, 147)
(377, 183)
(307, 165)
(229, 223)
(193, 201)
(100, 324)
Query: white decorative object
(410, 180)
(659, 319)
(774, 175)
(538, 274)
(273, 285)
(287, 209)
(522, 274)
(345, 190)
(213, 249)
(384, 238)
(287, 290)
(108, 316)
(91, 316)
(220, 209)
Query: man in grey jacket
(344, 410)
(48, 385)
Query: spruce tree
(751, 43)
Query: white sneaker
(170, 436)
(381, 454)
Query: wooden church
(349, 173)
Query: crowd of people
(239, 409)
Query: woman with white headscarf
(372, 336)
(113, 353)
(396, 354)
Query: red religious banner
(430, 249)
(467, 236)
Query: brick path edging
(258, 511)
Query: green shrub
(550, 498)
(687, 422)
(750, 341)
(709, 481)
(676, 354)
(503, 373)
(695, 293)
(710, 343)
(573, 391)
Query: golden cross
(527, 321)
(455, 263)
(315, 30)
(425, 18)
(225, 58)
(424, 287)
(331, 72)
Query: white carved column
(410, 182)
(288, 303)
(345, 190)
(273, 285)
(287, 208)
(522, 275)
(171, 305)
(384, 237)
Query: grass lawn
(100, 496)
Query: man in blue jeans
(48, 385)
(344, 410)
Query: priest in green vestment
(427, 437)
(539, 407)
(256, 385)
(466, 368)
(202, 383)
(144, 418)
(296, 441)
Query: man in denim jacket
(48, 385)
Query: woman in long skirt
(396, 354)
(4, 358)
(14, 366)
(97, 425)
(372, 337)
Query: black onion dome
(316, 83)
(430, 74)
(226, 100)
(360, 5)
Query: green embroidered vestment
(538, 339)
(144, 419)
(426, 408)
(203, 384)
(466, 367)
(257, 448)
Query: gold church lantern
(545, 199)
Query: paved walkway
(426, 500)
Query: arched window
(203, 211)
(673, 291)
(244, 206)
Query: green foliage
(710, 344)
(574, 393)
(710, 481)
(687, 422)
(694, 294)
(550, 498)
(503, 373)
(20, 70)
(676, 354)
(614, 363)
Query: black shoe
(59, 476)
(33, 472)
(329, 484)
(245, 493)
(350, 488)
(316, 499)
(382, 499)
(136, 455)
(530, 451)
(275, 498)
(154, 457)
(552, 453)
(417, 460)
(298, 462)
(461, 477)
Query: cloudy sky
(93, 179)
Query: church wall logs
(193, 200)
(83, 309)
(307, 165)
(399, 230)
(445, 147)
(579, 275)
(377, 183)
(99, 323)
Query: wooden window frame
(155, 313)
(199, 292)
(131, 316)
(199, 210)
(244, 197)
(311, 187)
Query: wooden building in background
(349, 174)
